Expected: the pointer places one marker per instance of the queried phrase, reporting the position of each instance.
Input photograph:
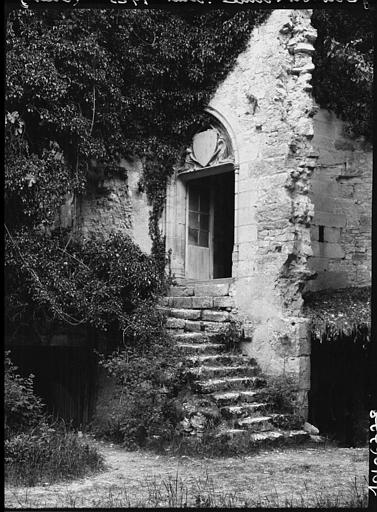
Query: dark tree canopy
(343, 75)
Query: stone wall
(113, 204)
(266, 100)
(342, 197)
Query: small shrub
(22, 409)
(287, 421)
(149, 375)
(48, 454)
(230, 336)
(93, 282)
(36, 451)
(281, 394)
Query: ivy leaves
(92, 282)
(95, 85)
(344, 62)
(102, 83)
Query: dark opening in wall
(65, 379)
(339, 391)
(321, 233)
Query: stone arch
(229, 124)
(212, 155)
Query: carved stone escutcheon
(210, 147)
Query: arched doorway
(200, 208)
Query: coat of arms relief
(210, 147)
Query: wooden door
(199, 230)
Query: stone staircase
(226, 385)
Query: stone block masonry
(342, 196)
(266, 99)
(115, 204)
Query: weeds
(36, 449)
(48, 453)
(175, 492)
(230, 337)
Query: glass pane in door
(198, 217)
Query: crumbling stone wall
(342, 197)
(266, 99)
(112, 204)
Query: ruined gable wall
(342, 198)
(266, 99)
(116, 205)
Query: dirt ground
(307, 476)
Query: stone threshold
(186, 281)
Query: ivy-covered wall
(112, 204)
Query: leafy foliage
(149, 374)
(335, 312)
(35, 449)
(343, 75)
(48, 453)
(23, 410)
(92, 85)
(83, 89)
(93, 282)
(281, 394)
(230, 336)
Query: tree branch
(94, 109)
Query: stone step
(211, 315)
(193, 302)
(256, 424)
(225, 371)
(225, 359)
(215, 316)
(269, 438)
(193, 325)
(207, 326)
(239, 411)
(181, 291)
(193, 337)
(215, 327)
(202, 302)
(236, 397)
(175, 324)
(187, 314)
(211, 289)
(213, 385)
(200, 348)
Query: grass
(173, 492)
(306, 476)
(46, 454)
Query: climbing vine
(86, 87)
(83, 89)
(343, 74)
